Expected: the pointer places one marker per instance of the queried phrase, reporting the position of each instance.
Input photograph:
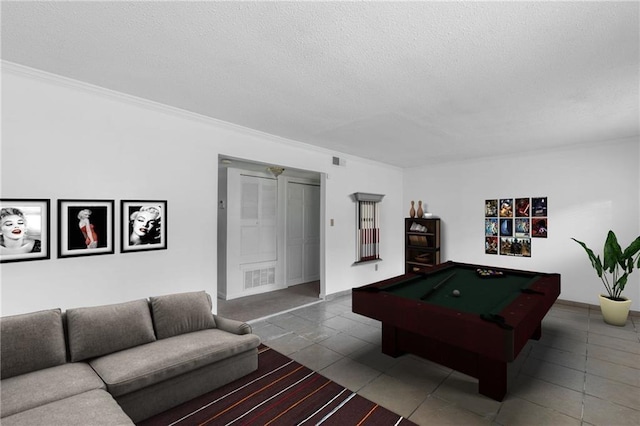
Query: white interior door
(311, 233)
(303, 233)
(295, 233)
(258, 224)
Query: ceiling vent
(337, 161)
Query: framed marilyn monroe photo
(144, 225)
(24, 229)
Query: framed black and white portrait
(144, 225)
(24, 229)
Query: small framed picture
(523, 207)
(539, 228)
(491, 208)
(144, 225)
(506, 207)
(506, 227)
(85, 227)
(24, 229)
(539, 207)
(491, 227)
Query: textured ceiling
(405, 83)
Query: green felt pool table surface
(478, 295)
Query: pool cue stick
(437, 286)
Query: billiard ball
(456, 293)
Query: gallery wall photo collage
(511, 223)
(84, 227)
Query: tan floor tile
(616, 372)
(605, 413)
(564, 343)
(316, 357)
(615, 356)
(627, 332)
(434, 411)
(462, 390)
(366, 332)
(554, 373)
(315, 313)
(615, 343)
(565, 358)
(559, 323)
(558, 398)
(519, 412)
(415, 372)
(343, 343)
(563, 333)
(373, 357)
(289, 343)
(622, 394)
(350, 374)
(394, 395)
(318, 333)
(340, 323)
(573, 314)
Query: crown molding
(58, 80)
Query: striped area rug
(280, 392)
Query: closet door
(258, 224)
(303, 233)
(311, 233)
(295, 233)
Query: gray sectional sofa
(118, 364)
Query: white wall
(590, 190)
(65, 140)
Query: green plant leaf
(633, 248)
(622, 281)
(595, 260)
(612, 252)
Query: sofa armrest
(232, 326)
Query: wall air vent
(258, 277)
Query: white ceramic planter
(613, 312)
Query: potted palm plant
(614, 270)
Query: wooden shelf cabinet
(422, 243)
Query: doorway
(298, 258)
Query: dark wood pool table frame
(459, 340)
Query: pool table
(478, 329)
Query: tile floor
(582, 371)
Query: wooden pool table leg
(537, 333)
(492, 378)
(390, 341)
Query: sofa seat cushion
(41, 387)
(95, 408)
(135, 368)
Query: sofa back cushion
(31, 342)
(101, 330)
(181, 313)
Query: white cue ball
(456, 292)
